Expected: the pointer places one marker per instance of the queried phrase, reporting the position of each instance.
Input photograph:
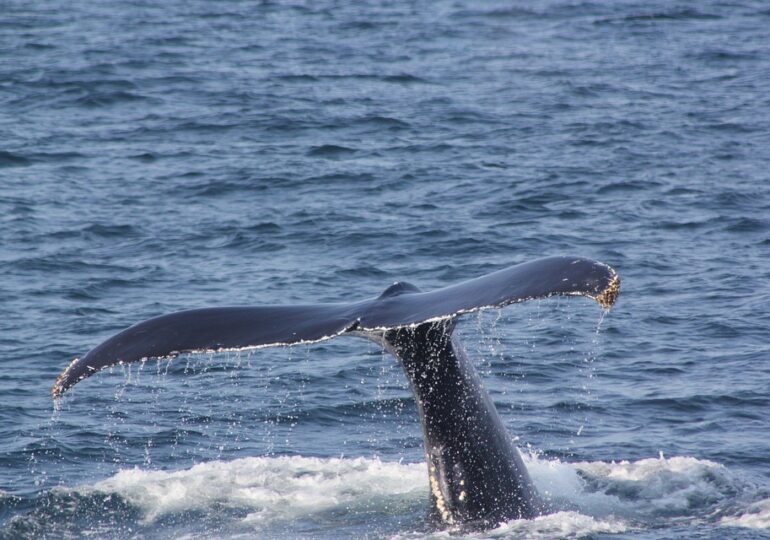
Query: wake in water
(304, 496)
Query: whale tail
(401, 305)
(477, 476)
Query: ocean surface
(159, 156)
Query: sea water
(164, 156)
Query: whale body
(477, 477)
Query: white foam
(757, 516)
(268, 488)
(547, 527)
(663, 486)
(586, 498)
(557, 525)
(561, 485)
(651, 469)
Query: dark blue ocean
(159, 156)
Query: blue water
(172, 155)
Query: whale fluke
(237, 328)
(477, 477)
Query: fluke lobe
(476, 474)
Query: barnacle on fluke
(609, 296)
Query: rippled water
(162, 156)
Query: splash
(756, 516)
(275, 493)
(661, 487)
(268, 489)
(557, 525)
